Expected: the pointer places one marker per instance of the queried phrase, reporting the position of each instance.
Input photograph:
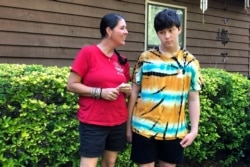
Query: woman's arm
(74, 85)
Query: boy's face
(169, 37)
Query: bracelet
(93, 92)
(100, 96)
(96, 93)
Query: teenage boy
(163, 79)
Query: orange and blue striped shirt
(159, 112)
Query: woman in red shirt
(100, 75)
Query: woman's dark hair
(166, 19)
(111, 20)
(122, 60)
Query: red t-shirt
(97, 70)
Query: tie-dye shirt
(165, 83)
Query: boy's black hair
(167, 18)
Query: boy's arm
(194, 111)
(131, 103)
(194, 114)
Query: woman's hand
(110, 93)
(125, 88)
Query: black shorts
(145, 150)
(95, 139)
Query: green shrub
(224, 124)
(39, 126)
(38, 122)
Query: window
(152, 9)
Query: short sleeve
(196, 80)
(80, 64)
(137, 71)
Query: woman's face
(119, 33)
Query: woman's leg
(88, 162)
(115, 142)
(92, 143)
(109, 158)
(152, 164)
(165, 164)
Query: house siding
(50, 32)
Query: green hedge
(225, 115)
(38, 117)
(39, 126)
